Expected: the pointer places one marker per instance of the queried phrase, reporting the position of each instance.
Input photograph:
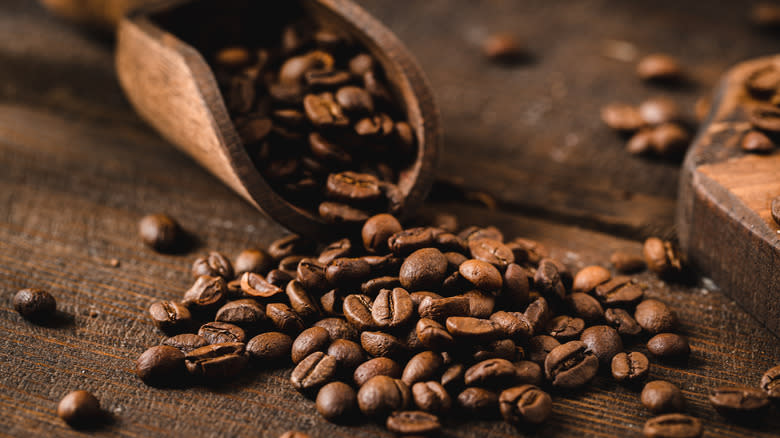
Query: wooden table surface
(79, 169)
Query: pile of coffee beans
(316, 114)
(408, 325)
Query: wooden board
(79, 169)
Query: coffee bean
(160, 364)
(499, 349)
(322, 110)
(206, 293)
(630, 367)
(311, 275)
(475, 233)
(423, 269)
(419, 296)
(672, 426)
(254, 129)
(353, 187)
(478, 402)
(214, 265)
(412, 423)
(482, 275)
(548, 279)
(660, 396)
(276, 278)
(79, 409)
(159, 232)
(358, 311)
(255, 285)
(378, 366)
(373, 286)
(336, 401)
(481, 304)
(603, 341)
(654, 316)
(770, 382)
(756, 142)
(381, 395)
(431, 397)
(294, 434)
(332, 302)
(290, 263)
(669, 139)
(642, 143)
(503, 48)
(338, 328)
(540, 346)
(538, 314)
(659, 67)
(335, 250)
(433, 335)
(622, 117)
(764, 116)
(289, 245)
(620, 291)
(245, 313)
(585, 306)
(738, 402)
(661, 257)
(284, 318)
(314, 371)
(407, 241)
(525, 404)
(301, 300)
(514, 293)
(491, 373)
(512, 324)
(377, 230)
(185, 342)
(328, 151)
(342, 272)
(473, 329)
(422, 366)
(35, 304)
(626, 262)
(441, 309)
(452, 377)
(764, 82)
(381, 344)
(565, 328)
(491, 251)
(349, 355)
(623, 322)
(571, 365)
(216, 361)
(659, 110)
(232, 57)
(669, 346)
(528, 372)
(221, 332)
(589, 277)
(383, 265)
(392, 308)
(310, 340)
(269, 347)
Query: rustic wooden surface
(79, 169)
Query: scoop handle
(102, 15)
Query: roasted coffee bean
(383, 265)
(328, 151)
(491, 251)
(481, 304)
(585, 306)
(473, 329)
(669, 346)
(392, 308)
(381, 395)
(185, 342)
(348, 355)
(565, 328)
(538, 314)
(314, 371)
(659, 67)
(270, 347)
(338, 328)
(513, 325)
(672, 426)
(491, 373)
(358, 311)
(620, 291)
(449, 242)
(525, 404)
(756, 142)
(548, 279)
(654, 316)
(354, 100)
(378, 366)
(528, 372)
(418, 297)
(423, 269)
(738, 401)
(571, 365)
(79, 408)
(361, 64)
(337, 249)
(503, 48)
(658, 110)
(373, 286)
(36, 304)
(276, 278)
(770, 382)
(160, 364)
(630, 367)
(253, 260)
(422, 366)
(332, 302)
(589, 277)
(765, 15)
(353, 187)
(660, 396)
(622, 117)
(412, 423)
(407, 241)
(515, 289)
(499, 349)
(160, 232)
(626, 262)
(478, 402)
(310, 340)
(539, 347)
(216, 361)
(245, 313)
(301, 300)
(433, 335)
(669, 139)
(322, 110)
(377, 125)
(284, 319)
(765, 117)
(347, 271)
(289, 245)
(441, 309)
(221, 332)
(214, 265)
(661, 257)
(475, 233)
(623, 322)
(381, 344)
(311, 275)
(232, 57)
(206, 293)
(764, 82)
(603, 341)
(336, 401)
(483, 275)
(256, 286)
(452, 377)
(431, 397)
(290, 263)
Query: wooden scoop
(173, 88)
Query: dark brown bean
(623, 322)
(38, 305)
(339, 213)
(378, 366)
(221, 332)
(770, 382)
(620, 291)
(284, 318)
(382, 395)
(603, 341)
(529, 372)
(515, 289)
(79, 408)
(660, 396)
(311, 275)
(256, 286)
(622, 117)
(276, 278)
(160, 364)
(589, 277)
(216, 361)
(492, 251)
(441, 309)
(491, 373)
(669, 346)
(525, 404)
(422, 366)
(538, 314)
(483, 275)
(185, 342)
(473, 329)
(373, 286)
(347, 271)
(214, 264)
(206, 293)
(338, 249)
(481, 304)
(289, 245)
(423, 269)
(756, 142)
(662, 257)
(452, 377)
(301, 301)
(627, 262)
(571, 365)
(358, 311)
(332, 302)
(245, 313)
(433, 335)
(672, 426)
(349, 355)
(407, 241)
(336, 401)
(160, 232)
(270, 347)
(540, 346)
(654, 316)
(253, 260)
(659, 67)
(170, 316)
(548, 279)
(585, 306)
(475, 233)
(381, 344)
(503, 48)
(658, 110)
(738, 401)
(512, 324)
(392, 308)
(309, 341)
(431, 397)
(338, 328)
(565, 328)
(630, 367)
(412, 423)
(314, 371)
(478, 401)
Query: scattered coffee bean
(314, 371)
(309, 341)
(452, 377)
(770, 382)
(654, 316)
(349, 355)
(422, 366)
(377, 230)
(529, 372)
(571, 365)
(623, 322)
(284, 318)
(392, 308)
(338, 249)
(431, 397)
(512, 324)
(659, 110)
(757, 142)
(736, 401)
(214, 265)
(441, 309)
(622, 117)
(160, 232)
(378, 366)
(253, 260)
(672, 426)
(381, 344)
(538, 314)
(491, 373)
(382, 395)
(525, 404)
(478, 402)
(626, 262)
(358, 311)
(503, 48)
(620, 291)
(662, 257)
(221, 332)
(548, 279)
(660, 396)
(206, 293)
(79, 408)
(160, 364)
(603, 341)
(540, 346)
(413, 423)
(216, 361)
(186, 342)
(473, 329)
(669, 346)
(170, 316)
(585, 306)
(659, 67)
(35, 304)
(423, 269)
(483, 275)
(301, 301)
(244, 313)
(336, 401)
(338, 328)
(589, 277)
(270, 347)
(565, 328)
(630, 367)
